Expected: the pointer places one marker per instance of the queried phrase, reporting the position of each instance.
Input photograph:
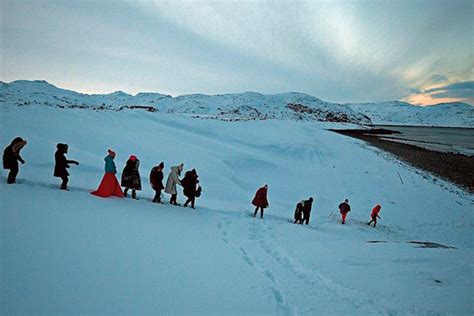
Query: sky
(340, 51)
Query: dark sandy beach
(456, 168)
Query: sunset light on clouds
(342, 51)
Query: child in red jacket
(375, 214)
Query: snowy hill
(454, 114)
(73, 253)
(244, 106)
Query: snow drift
(71, 252)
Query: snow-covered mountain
(233, 107)
(242, 106)
(402, 113)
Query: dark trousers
(374, 220)
(157, 198)
(190, 199)
(306, 218)
(256, 211)
(12, 175)
(65, 181)
(134, 193)
(173, 199)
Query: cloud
(438, 78)
(460, 90)
(338, 51)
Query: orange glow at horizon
(426, 99)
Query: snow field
(70, 252)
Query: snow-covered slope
(454, 114)
(243, 106)
(73, 253)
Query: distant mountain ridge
(456, 114)
(241, 106)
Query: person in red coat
(109, 185)
(260, 200)
(375, 214)
(344, 208)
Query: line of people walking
(109, 185)
(131, 180)
(304, 207)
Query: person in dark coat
(344, 208)
(308, 204)
(260, 200)
(189, 183)
(299, 213)
(61, 164)
(156, 181)
(11, 156)
(131, 177)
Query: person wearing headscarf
(131, 177)
(109, 186)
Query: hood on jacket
(62, 147)
(175, 169)
(17, 144)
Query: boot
(134, 195)
(125, 194)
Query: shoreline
(419, 126)
(454, 167)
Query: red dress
(109, 186)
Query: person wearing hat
(344, 208)
(189, 184)
(61, 164)
(260, 200)
(156, 181)
(172, 181)
(375, 214)
(307, 205)
(131, 177)
(109, 185)
(11, 156)
(299, 213)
